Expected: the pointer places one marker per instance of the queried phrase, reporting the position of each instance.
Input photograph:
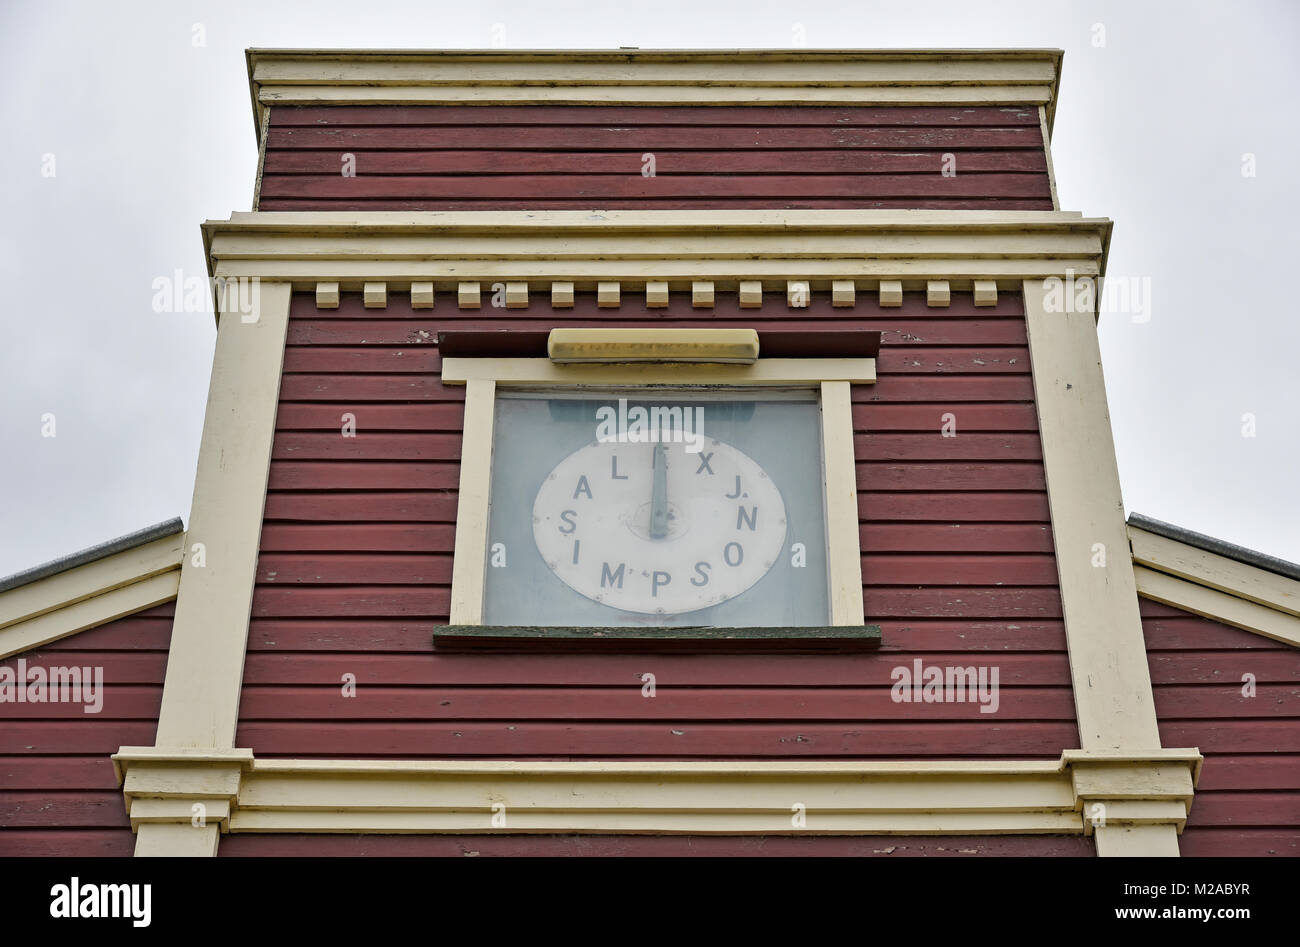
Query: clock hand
(659, 495)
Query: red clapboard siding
(1248, 798)
(651, 846)
(354, 572)
(58, 793)
(576, 157)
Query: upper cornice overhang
(956, 77)
(586, 247)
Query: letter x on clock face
(657, 509)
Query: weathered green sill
(517, 638)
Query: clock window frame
(830, 378)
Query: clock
(655, 528)
(665, 508)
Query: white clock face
(655, 529)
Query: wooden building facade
(855, 260)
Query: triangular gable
(1217, 580)
(90, 588)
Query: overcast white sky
(152, 134)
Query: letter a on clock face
(654, 529)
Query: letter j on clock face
(655, 529)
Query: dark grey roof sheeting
(1217, 546)
(141, 536)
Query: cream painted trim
(1113, 700)
(26, 602)
(595, 344)
(958, 797)
(176, 840)
(769, 372)
(660, 77)
(469, 561)
(693, 798)
(1047, 153)
(485, 376)
(1136, 841)
(633, 248)
(205, 666)
(844, 552)
(1219, 606)
(1215, 571)
(88, 613)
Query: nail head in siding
(798, 294)
(937, 293)
(843, 293)
(467, 296)
(891, 292)
(516, 295)
(421, 295)
(607, 295)
(751, 294)
(986, 292)
(375, 295)
(656, 295)
(327, 295)
(702, 294)
(562, 295)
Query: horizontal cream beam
(1219, 606)
(758, 245)
(519, 72)
(772, 371)
(655, 221)
(1215, 571)
(705, 798)
(961, 95)
(805, 797)
(633, 274)
(695, 823)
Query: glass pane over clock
(645, 508)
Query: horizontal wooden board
(45, 737)
(833, 115)
(1259, 772)
(1246, 809)
(921, 570)
(667, 163)
(1224, 668)
(596, 189)
(326, 327)
(367, 636)
(938, 476)
(696, 136)
(257, 844)
(629, 704)
(61, 772)
(1226, 701)
(118, 842)
(681, 203)
(738, 671)
(688, 740)
(362, 475)
(1218, 842)
(71, 810)
(877, 506)
(1233, 736)
(426, 506)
